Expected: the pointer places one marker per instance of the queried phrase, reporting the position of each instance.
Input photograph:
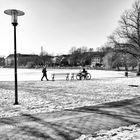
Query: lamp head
(14, 15)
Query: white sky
(58, 25)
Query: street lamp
(14, 14)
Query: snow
(7, 74)
(122, 133)
(37, 96)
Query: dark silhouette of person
(126, 74)
(44, 71)
(84, 73)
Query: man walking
(44, 71)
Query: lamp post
(14, 14)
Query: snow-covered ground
(122, 133)
(36, 96)
(7, 74)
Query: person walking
(44, 71)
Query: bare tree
(127, 37)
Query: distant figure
(84, 72)
(126, 74)
(44, 71)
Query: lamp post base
(16, 103)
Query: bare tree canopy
(126, 38)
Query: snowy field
(35, 74)
(37, 96)
(45, 96)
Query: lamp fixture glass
(14, 15)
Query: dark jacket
(44, 71)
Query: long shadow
(19, 127)
(58, 129)
(126, 110)
(8, 121)
(40, 130)
(33, 132)
(114, 104)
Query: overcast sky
(58, 25)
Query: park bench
(60, 75)
(73, 75)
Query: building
(2, 61)
(22, 59)
(97, 59)
(9, 60)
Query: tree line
(81, 56)
(122, 48)
(124, 42)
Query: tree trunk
(132, 68)
(138, 70)
(118, 68)
(126, 68)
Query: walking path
(71, 124)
